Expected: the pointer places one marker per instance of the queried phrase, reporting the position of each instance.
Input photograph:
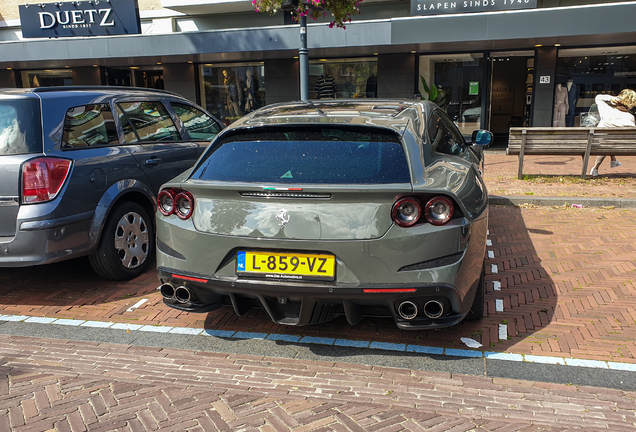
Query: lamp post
(303, 58)
(303, 52)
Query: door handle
(153, 161)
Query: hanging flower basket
(341, 10)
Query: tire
(127, 243)
(477, 309)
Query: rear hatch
(20, 139)
(317, 183)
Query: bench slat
(571, 141)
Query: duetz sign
(433, 7)
(79, 18)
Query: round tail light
(165, 202)
(184, 205)
(438, 210)
(406, 212)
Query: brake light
(408, 211)
(165, 202)
(42, 179)
(184, 205)
(175, 201)
(438, 210)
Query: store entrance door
(510, 93)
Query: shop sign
(80, 18)
(436, 7)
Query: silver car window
(20, 128)
(89, 126)
(150, 120)
(199, 125)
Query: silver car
(315, 210)
(80, 168)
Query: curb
(309, 340)
(560, 201)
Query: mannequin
(573, 97)
(560, 106)
(250, 91)
(325, 87)
(231, 94)
(372, 83)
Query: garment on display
(573, 97)
(561, 106)
(325, 87)
(231, 94)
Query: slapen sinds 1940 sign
(80, 18)
(435, 7)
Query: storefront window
(586, 72)
(455, 83)
(47, 78)
(232, 90)
(343, 78)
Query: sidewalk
(561, 295)
(560, 177)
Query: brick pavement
(558, 176)
(565, 280)
(48, 384)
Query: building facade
(490, 63)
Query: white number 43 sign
(544, 79)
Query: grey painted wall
(282, 82)
(396, 76)
(180, 78)
(543, 94)
(87, 76)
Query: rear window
(20, 127)
(316, 156)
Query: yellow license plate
(290, 266)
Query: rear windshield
(20, 127)
(330, 156)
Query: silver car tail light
(42, 178)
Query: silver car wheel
(132, 240)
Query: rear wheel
(127, 243)
(477, 310)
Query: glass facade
(343, 78)
(455, 83)
(232, 90)
(583, 73)
(46, 78)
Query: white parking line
(136, 305)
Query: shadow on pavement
(521, 288)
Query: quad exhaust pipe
(407, 310)
(167, 291)
(181, 294)
(432, 309)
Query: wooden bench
(571, 141)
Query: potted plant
(341, 10)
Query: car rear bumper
(47, 241)
(305, 304)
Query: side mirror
(482, 138)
